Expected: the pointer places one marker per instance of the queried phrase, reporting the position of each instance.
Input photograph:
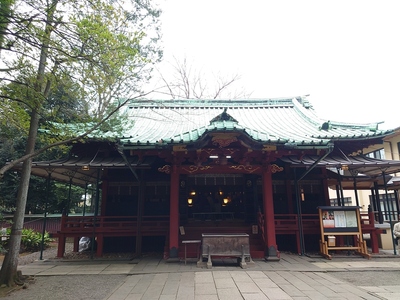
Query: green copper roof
(281, 120)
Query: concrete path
(293, 277)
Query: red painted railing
(53, 225)
(289, 223)
(150, 225)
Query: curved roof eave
(362, 164)
(84, 170)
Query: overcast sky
(345, 53)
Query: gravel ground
(77, 287)
(51, 253)
(29, 258)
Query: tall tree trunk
(8, 273)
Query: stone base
(272, 254)
(201, 264)
(173, 253)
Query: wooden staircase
(194, 230)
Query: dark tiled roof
(283, 120)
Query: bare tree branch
(188, 83)
(224, 85)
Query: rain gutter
(121, 152)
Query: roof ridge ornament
(326, 125)
(224, 116)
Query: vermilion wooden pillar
(62, 239)
(174, 215)
(271, 251)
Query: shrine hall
(183, 168)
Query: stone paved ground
(211, 285)
(293, 277)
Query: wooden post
(100, 245)
(140, 213)
(289, 191)
(76, 243)
(104, 193)
(174, 215)
(325, 186)
(61, 246)
(61, 238)
(271, 251)
(373, 234)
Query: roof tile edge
(215, 103)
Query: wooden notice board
(336, 221)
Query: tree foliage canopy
(96, 53)
(75, 61)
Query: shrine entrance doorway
(223, 197)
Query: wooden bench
(225, 245)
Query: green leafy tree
(102, 49)
(12, 145)
(61, 108)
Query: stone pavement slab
(247, 285)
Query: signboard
(341, 221)
(334, 220)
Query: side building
(381, 196)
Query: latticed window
(388, 205)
